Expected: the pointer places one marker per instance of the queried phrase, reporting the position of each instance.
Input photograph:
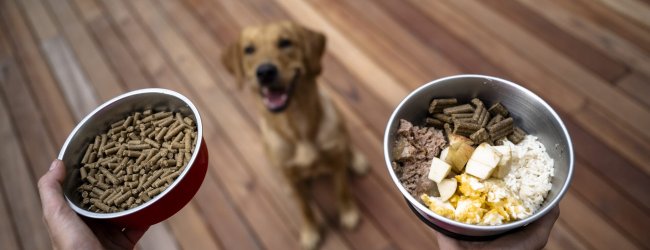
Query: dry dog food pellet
(473, 120)
(137, 159)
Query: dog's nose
(266, 73)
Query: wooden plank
(88, 55)
(31, 130)
(609, 19)
(615, 206)
(42, 23)
(615, 134)
(158, 237)
(38, 76)
(431, 33)
(636, 85)
(220, 212)
(190, 229)
(379, 48)
(20, 186)
(129, 28)
(633, 9)
(118, 55)
(627, 178)
(551, 88)
(562, 237)
(598, 91)
(584, 54)
(8, 237)
(378, 81)
(365, 236)
(599, 37)
(74, 84)
(434, 63)
(590, 225)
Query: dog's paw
(309, 238)
(350, 217)
(359, 164)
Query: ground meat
(414, 149)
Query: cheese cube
(443, 155)
(439, 170)
(483, 162)
(447, 188)
(503, 167)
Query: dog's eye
(248, 50)
(284, 43)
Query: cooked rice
(531, 172)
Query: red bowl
(168, 202)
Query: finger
(49, 187)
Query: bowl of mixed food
(135, 160)
(478, 156)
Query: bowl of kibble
(135, 160)
(477, 156)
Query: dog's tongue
(275, 99)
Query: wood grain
(589, 59)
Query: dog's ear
(314, 47)
(231, 58)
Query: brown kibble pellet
(83, 172)
(165, 122)
(465, 108)
(161, 115)
(188, 121)
(480, 136)
(498, 109)
(461, 115)
(84, 160)
(504, 125)
(437, 105)
(92, 157)
(119, 168)
(174, 132)
(97, 203)
(152, 143)
(161, 133)
(429, 121)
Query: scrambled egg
(487, 202)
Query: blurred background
(589, 59)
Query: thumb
(49, 187)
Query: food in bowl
(135, 160)
(486, 171)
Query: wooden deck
(590, 59)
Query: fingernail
(53, 165)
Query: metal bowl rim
(483, 228)
(197, 146)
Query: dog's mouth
(276, 98)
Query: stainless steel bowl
(168, 202)
(530, 112)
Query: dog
(303, 132)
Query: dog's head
(274, 59)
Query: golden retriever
(302, 130)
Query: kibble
(137, 159)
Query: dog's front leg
(348, 211)
(309, 233)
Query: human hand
(69, 231)
(533, 236)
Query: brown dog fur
(307, 138)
